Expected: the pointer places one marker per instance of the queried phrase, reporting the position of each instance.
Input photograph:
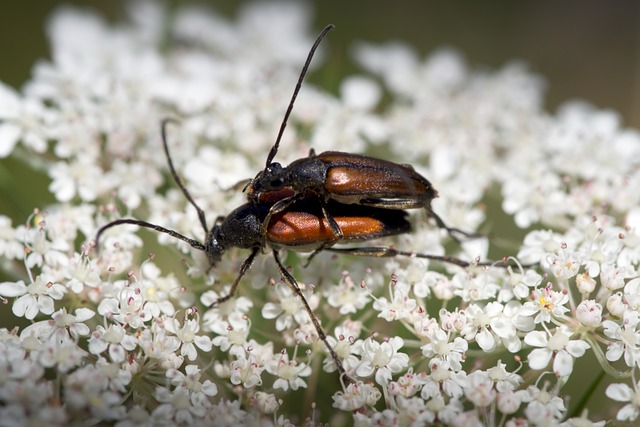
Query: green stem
(577, 410)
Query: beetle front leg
(246, 265)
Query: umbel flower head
(119, 338)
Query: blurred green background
(585, 49)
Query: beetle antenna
(274, 149)
(176, 178)
(193, 243)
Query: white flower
(232, 336)
(589, 313)
(443, 381)
(355, 396)
(266, 402)
(565, 265)
(479, 324)
(87, 389)
(346, 296)
(381, 358)
(233, 308)
(288, 310)
(480, 389)
(544, 408)
(345, 346)
(400, 306)
(546, 303)
(23, 120)
(113, 339)
(187, 334)
(559, 346)
(175, 405)
(162, 347)
(289, 372)
(451, 353)
(37, 297)
(245, 371)
(10, 245)
(199, 392)
(625, 338)
(623, 393)
(63, 320)
(62, 352)
(408, 384)
(80, 272)
(504, 381)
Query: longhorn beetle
(345, 177)
(303, 224)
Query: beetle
(345, 177)
(303, 226)
(300, 222)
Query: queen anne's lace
(118, 340)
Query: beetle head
(272, 178)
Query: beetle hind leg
(453, 232)
(293, 285)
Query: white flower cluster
(116, 340)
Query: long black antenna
(193, 243)
(176, 178)
(274, 149)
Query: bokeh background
(584, 49)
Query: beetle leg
(392, 203)
(387, 252)
(278, 207)
(412, 204)
(451, 230)
(293, 285)
(246, 265)
(337, 233)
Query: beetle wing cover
(303, 225)
(352, 178)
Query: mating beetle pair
(311, 205)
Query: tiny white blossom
(245, 371)
(289, 372)
(543, 407)
(545, 303)
(589, 313)
(356, 395)
(187, 333)
(625, 338)
(382, 358)
(114, 339)
(400, 306)
(623, 393)
(288, 310)
(556, 345)
(451, 353)
(37, 297)
(199, 392)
